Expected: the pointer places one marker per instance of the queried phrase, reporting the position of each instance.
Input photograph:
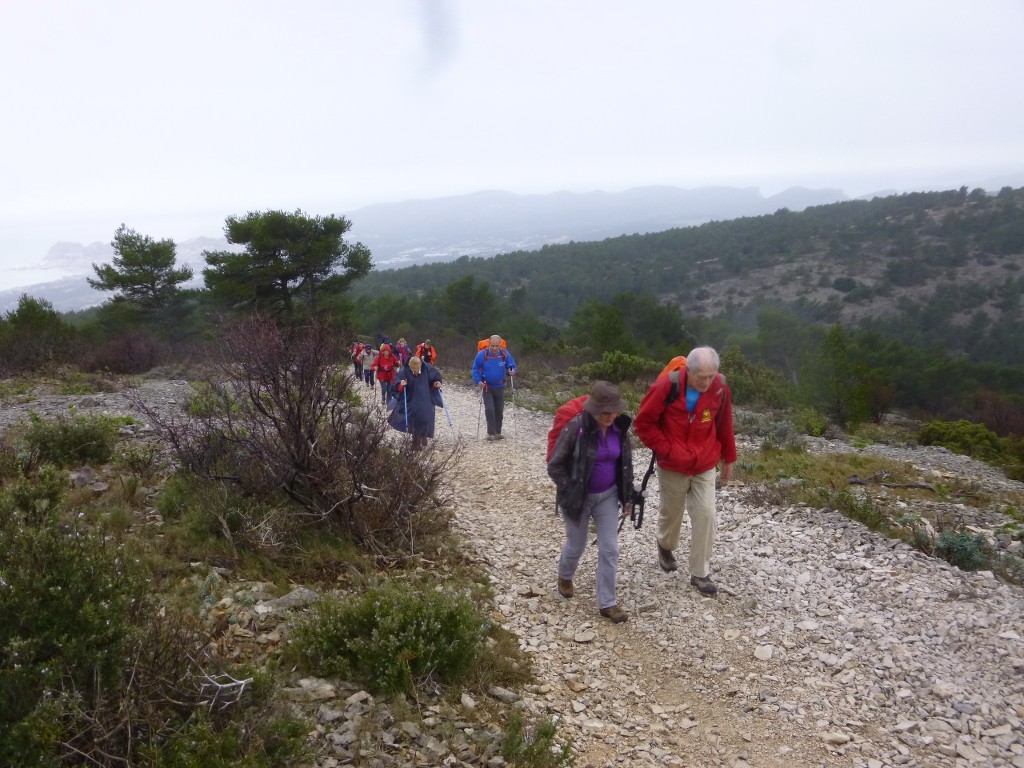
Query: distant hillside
(486, 223)
(935, 269)
(69, 294)
(480, 224)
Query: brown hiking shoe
(666, 559)
(704, 585)
(616, 614)
(565, 588)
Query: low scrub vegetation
(394, 637)
(108, 656)
(93, 670)
(875, 492)
(977, 441)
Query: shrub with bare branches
(278, 417)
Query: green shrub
(618, 367)
(210, 513)
(34, 336)
(754, 384)
(139, 459)
(778, 435)
(201, 744)
(75, 440)
(962, 549)
(863, 510)
(392, 637)
(34, 499)
(66, 597)
(964, 437)
(533, 748)
(78, 383)
(810, 421)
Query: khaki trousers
(694, 494)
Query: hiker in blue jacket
(492, 364)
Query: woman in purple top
(592, 466)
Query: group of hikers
(685, 419)
(410, 382)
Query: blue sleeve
(477, 363)
(511, 360)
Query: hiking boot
(616, 614)
(565, 588)
(666, 559)
(498, 436)
(704, 585)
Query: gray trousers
(494, 409)
(604, 508)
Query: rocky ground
(828, 645)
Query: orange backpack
(485, 343)
(677, 363)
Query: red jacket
(687, 443)
(385, 366)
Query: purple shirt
(608, 450)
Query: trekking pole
(405, 407)
(515, 421)
(639, 499)
(479, 413)
(447, 415)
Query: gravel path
(828, 644)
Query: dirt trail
(828, 644)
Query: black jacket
(572, 462)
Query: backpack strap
(673, 392)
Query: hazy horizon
(171, 117)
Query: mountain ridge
(483, 223)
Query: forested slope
(930, 269)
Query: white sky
(170, 116)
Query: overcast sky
(170, 116)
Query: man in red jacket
(689, 434)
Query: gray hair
(702, 359)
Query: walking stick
(639, 499)
(479, 413)
(447, 415)
(515, 421)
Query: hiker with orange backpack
(427, 352)
(491, 366)
(689, 435)
(592, 466)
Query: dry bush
(275, 417)
(127, 353)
